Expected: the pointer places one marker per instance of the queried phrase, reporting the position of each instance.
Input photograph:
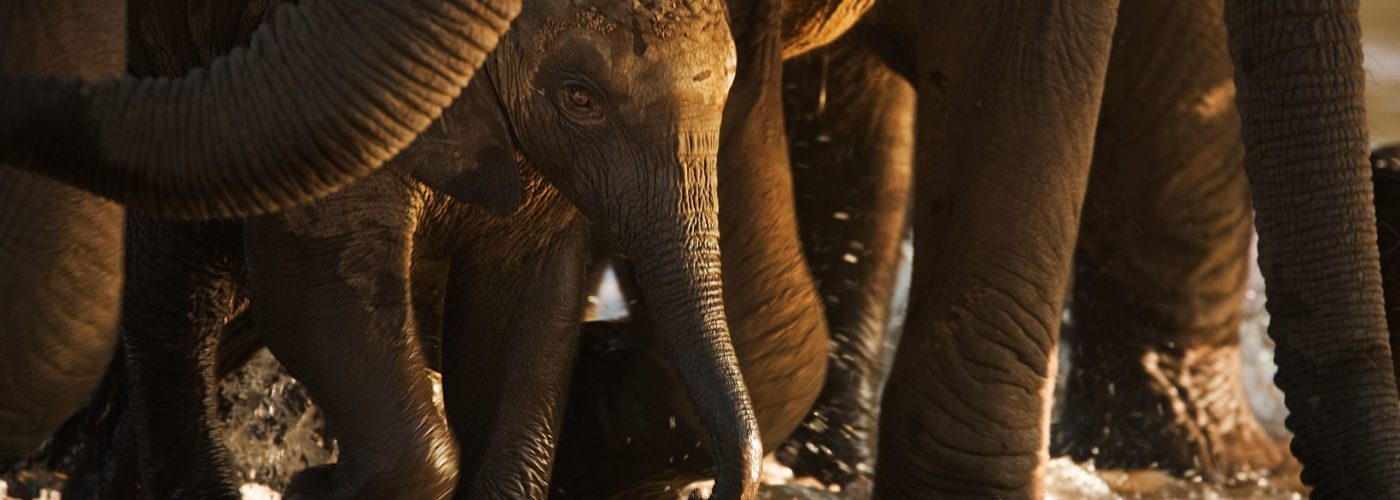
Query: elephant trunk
(676, 257)
(326, 91)
(1300, 83)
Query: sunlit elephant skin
(629, 431)
(1155, 376)
(60, 248)
(207, 144)
(339, 268)
(1009, 98)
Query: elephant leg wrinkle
(1006, 114)
(1300, 80)
(1162, 259)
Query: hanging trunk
(685, 297)
(326, 91)
(1300, 81)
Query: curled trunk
(1300, 81)
(326, 91)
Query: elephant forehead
(661, 18)
(691, 27)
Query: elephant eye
(579, 103)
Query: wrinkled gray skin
(556, 121)
(180, 147)
(1005, 124)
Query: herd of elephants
(373, 189)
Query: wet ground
(274, 430)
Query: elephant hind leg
(509, 341)
(177, 296)
(852, 171)
(1163, 255)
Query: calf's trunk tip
(679, 275)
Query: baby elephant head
(617, 103)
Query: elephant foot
(834, 445)
(417, 472)
(1183, 411)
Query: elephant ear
(469, 152)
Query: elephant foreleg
(509, 342)
(1008, 96)
(60, 248)
(1155, 378)
(177, 298)
(330, 284)
(850, 126)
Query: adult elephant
(1009, 96)
(211, 143)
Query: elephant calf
(609, 106)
